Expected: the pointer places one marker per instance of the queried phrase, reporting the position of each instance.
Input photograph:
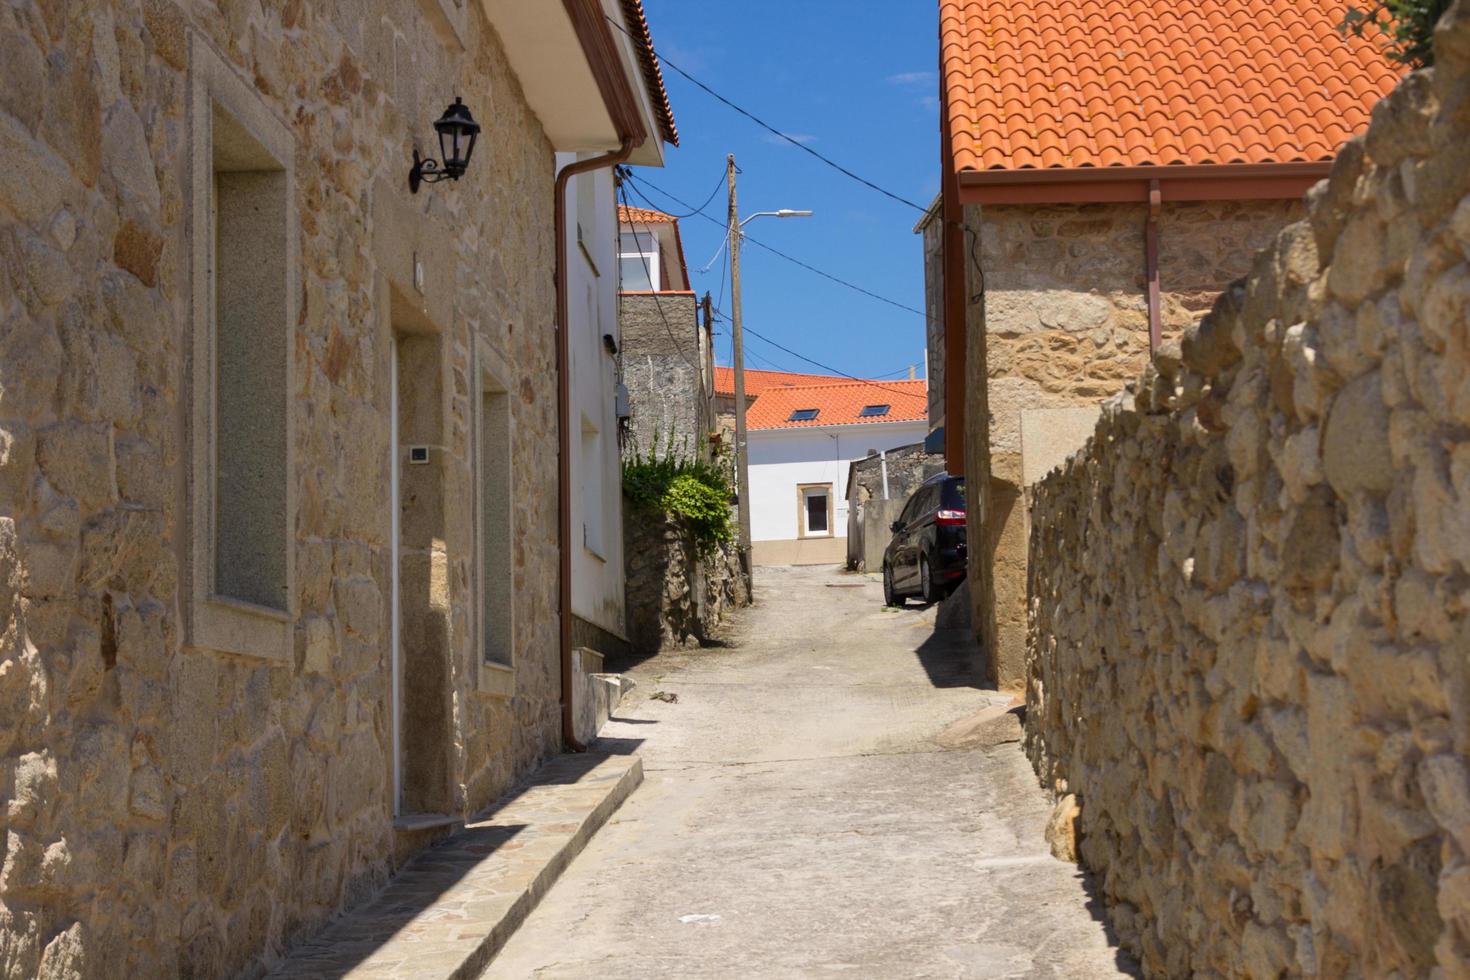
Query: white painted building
(801, 440)
(592, 314)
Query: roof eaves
(653, 75)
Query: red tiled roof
(629, 215)
(653, 75)
(758, 381)
(839, 404)
(1107, 83)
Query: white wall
(781, 459)
(592, 283)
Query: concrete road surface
(828, 796)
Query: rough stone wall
(1249, 632)
(662, 369)
(1063, 323)
(171, 811)
(908, 467)
(932, 231)
(675, 596)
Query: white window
(638, 261)
(243, 259)
(816, 510)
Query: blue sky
(853, 80)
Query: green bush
(1406, 27)
(684, 487)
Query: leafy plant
(1405, 26)
(683, 486)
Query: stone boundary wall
(675, 597)
(1249, 648)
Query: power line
(639, 182)
(772, 129)
(825, 367)
(621, 191)
(971, 234)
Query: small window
(638, 262)
(803, 415)
(872, 410)
(816, 511)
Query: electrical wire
(638, 183)
(653, 287)
(626, 173)
(825, 367)
(972, 234)
(772, 129)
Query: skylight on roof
(871, 410)
(803, 415)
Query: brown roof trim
(1178, 182)
(653, 75)
(601, 50)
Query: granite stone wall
(172, 810)
(1249, 637)
(1063, 323)
(676, 597)
(662, 369)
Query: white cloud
(794, 137)
(913, 78)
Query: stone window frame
(494, 677)
(212, 621)
(801, 491)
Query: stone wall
(662, 368)
(931, 230)
(675, 596)
(1249, 650)
(176, 811)
(1063, 324)
(907, 467)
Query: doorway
(420, 602)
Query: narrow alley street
(828, 794)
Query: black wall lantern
(457, 131)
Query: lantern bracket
(426, 170)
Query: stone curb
(480, 883)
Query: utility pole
(707, 378)
(742, 472)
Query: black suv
(926, 557)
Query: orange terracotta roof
(1033, 84)
(839, 404)
(758, 381)
(653, 75)
(642, 216)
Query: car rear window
(954, 494)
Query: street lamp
(742, 471)
(457, 131)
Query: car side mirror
(896, 526)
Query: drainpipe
(563, 424)
(1151, 265)
(883, 464)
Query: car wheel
(890, 597)
(931, 592)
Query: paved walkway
(798, 817)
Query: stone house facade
(279, 560)
(1091, 202)
(667, 354)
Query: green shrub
(683, 487)
(1406, 27)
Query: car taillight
(952, 517)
